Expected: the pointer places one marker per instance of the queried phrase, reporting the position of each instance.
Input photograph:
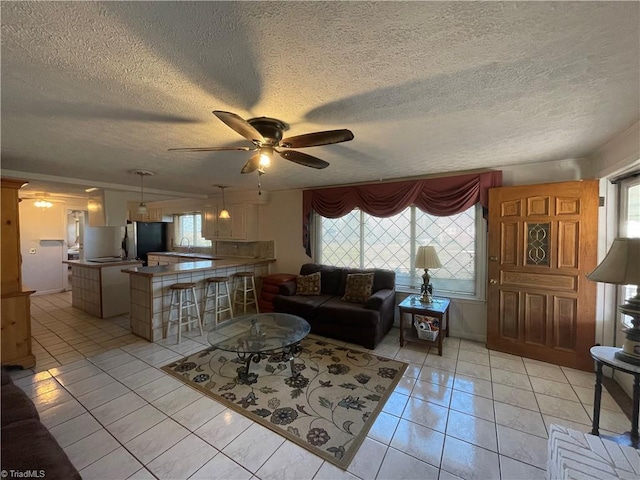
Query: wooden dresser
(16, 302)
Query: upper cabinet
(107, 209)
(242, 226)
(154, 214)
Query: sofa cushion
(305, 306)
(384, 279)
(336, 311)
(329, 276)
(28, 445)
(6, 378)
(308, 284)
(358, 287)
(16, 405)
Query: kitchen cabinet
(155, 260)
(242, 226)
(107, 209)
(154, 214)
(16, 301)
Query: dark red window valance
(442, 197)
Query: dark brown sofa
(27, 445)
(364, 324)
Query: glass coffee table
(258, 334)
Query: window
(360, 240)
(188, 226)
(629, 226)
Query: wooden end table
(438, 309)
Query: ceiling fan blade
(252, 164)
(240, 125)
(317, 139)
(211, 149)
(303, 159)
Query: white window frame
(480, 256)
(625, 292)
(200, 241)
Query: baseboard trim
(48, 292)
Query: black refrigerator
(141, 238)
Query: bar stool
(243, 288)
(183, 297)
(214, 294)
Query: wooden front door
(542, 243)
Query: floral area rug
(328, 408)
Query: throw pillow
(358, 288)
(308, 284)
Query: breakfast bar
(150, 296)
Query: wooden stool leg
(255, 298)
(180, 315)
(205, 303)
(171, 305)
(195, 304)
(226, 286)
(216, 305)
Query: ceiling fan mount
(271, 129)
(266, 135)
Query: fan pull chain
(260, 173)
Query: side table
(606, 356)
(438, 309)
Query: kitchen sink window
(188, 226)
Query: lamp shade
(426, 257)
(621, 266)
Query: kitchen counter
(150, 294)
(90, 264)
(100, 289)
(204, 256)
(197, 266)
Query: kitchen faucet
(189, 250)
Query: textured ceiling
(91, 90)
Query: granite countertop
(115, 263)
(204, 256)
(195, 266)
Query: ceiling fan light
(265, 160)
(43, 204)
(224, 213)
(142, 208)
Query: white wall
(558, 171)
(621, 153)
(281, 221)
(43, 247)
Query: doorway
(74, 231)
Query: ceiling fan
(266, 135)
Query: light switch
(32, 251)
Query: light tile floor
(472, 413)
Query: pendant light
(224, 213)
(142, 208)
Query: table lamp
(621, 266)
(427, 258)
